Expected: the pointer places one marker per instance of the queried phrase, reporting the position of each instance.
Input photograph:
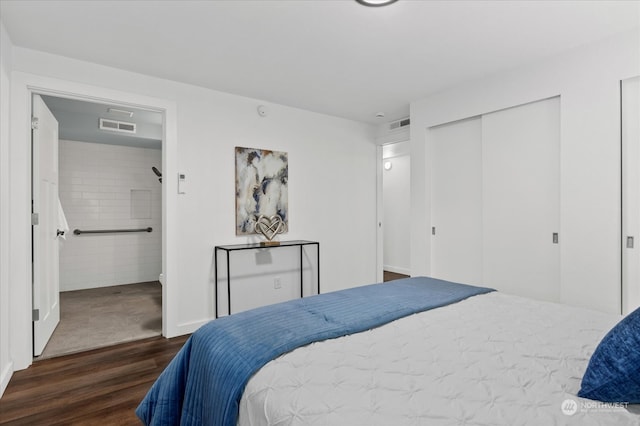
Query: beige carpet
(99, 317)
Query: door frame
(379, 216)
(390, 139)
(23, 85)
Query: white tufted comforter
(489, 360)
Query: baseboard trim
(187, 328)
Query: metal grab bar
(110, 231)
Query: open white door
(46, 297)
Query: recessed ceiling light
(380, 115)
(376, 3)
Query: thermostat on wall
(182, 183)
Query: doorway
(110, 194)
(396, 207)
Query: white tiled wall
(97, 183)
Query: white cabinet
(495, 200)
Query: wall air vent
(394, 125)
(117, 126)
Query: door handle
(629, 242)
(59, 232)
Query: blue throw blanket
(203, 384)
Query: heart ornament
(269, 226)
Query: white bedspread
(489, 360)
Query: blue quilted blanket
(203, 384)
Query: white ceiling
(330, 56)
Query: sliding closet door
(456, 206)
(521, 199)
(630, 194)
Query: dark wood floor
(100, 387)
(390, 276)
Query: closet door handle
(630, 242)
(555, 238)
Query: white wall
(96, 183)
(397, 207)
(587, 81)
(6, 364)
(332, 169)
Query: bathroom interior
(110, 208)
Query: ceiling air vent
(117, 126)
(394, 125)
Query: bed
(418, 351)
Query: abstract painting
(261, 187)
